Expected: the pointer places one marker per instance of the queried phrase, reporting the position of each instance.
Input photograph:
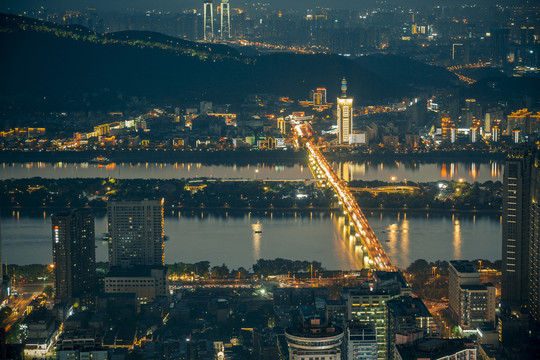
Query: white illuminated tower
(225, 19)
(344, 114)
(208, 12)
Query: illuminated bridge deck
(371, 245)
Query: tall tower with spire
(208, 13)
(344, 115)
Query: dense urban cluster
(249, 83)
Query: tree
(419, 265)
(220, 271)
(5, 312)
(241, 273)
(49, 291)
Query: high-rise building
(314, 340)
(470, 303)
(361, 341)
(495, 133)
(460, 54)
(408, 318)
(344, 114)
(74, 255)
(1, 263)
(369, 307)
(516, 227)
(318, 96)
(500, 45)
(225, 30)
(136, 232)
(208, 16)
(447, 124)
(534, 243)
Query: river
(385, 171)
(230, 238)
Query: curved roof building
(322, 341)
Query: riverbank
(371, 211)
(240, 157)
(431, 156)
(226, 157)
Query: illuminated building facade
(344, 115)
(282, 125)
(136, 232)
(369, 307)
(318, 96)
(407, 314)
(148, 282)
(225, 30)
(470, 303)
(74, 255)
(447, 124)
(208, 16)
(474, 134)
(517, 120)
(495, 132)
(314, 341)
(361, 341)
(516, 226)
(534, 243)
(524, 120)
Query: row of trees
(461, 196)
(261, 268)
(38, 192)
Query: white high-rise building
(344, 115)
(361, 341)
(208, 13)
(136, 232)
(471, 303)
(225, 30)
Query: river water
(230, 238)
(385, 171)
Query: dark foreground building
(74, 256)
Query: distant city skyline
(176, 5)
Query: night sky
(175, 5)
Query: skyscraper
(1, 263)
(344, 114)
(361, 341)
(135, 232)
(225, 30)
(516, 227)
(208, 15)
(500, 45)
(74, 255)
(534, 243)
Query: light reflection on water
(230, 238)
(419, 172)
(411, 171)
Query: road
(27, 293)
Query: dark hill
(406, 71)
(154, 37)
(62, 63)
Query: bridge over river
(367, 246)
